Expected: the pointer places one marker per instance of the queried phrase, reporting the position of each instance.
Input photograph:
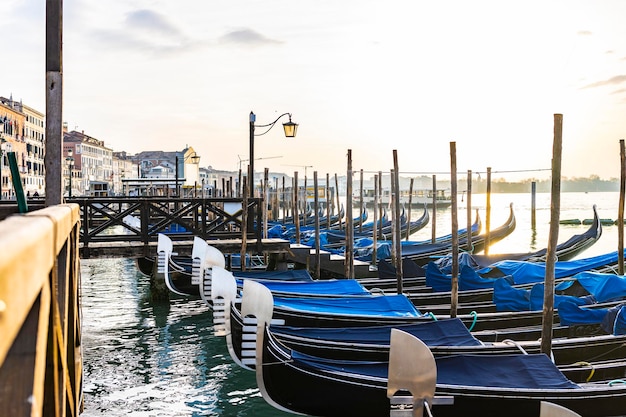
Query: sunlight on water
(143, 359)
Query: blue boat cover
(289, 275)
(525, 272)
(375, 306)
(571, 314)
(321, 287)
(468, 279)
(508, 298)
(601, 288)
(438, 274)
(534, 371)
(447, 332)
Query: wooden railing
(40, 348)
(110, 219)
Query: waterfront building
(12, 139)
(90, 164)
(123, 168)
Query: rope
(513, 342)
(616, 381)
(475, 314)
(427, 408)
(431, 315)
(584, 363)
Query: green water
(146, 359)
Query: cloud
(149, 32)
(246, 37)
(618, 79)
(149, 21)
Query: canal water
(146, 359)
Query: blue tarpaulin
(447, 332)
(383, 305)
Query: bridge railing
(40, 351)
(109, 219)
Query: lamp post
(70, 161)
(290, 132)
(195, 159)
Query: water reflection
(143, 358)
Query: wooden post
(284, 201)
(408, 231)
(337, 200)
(265, 200)
(317, 228)
(470, 246)
(397, 235)
(239, 185)
(533, 205)
(244, 224)
(374, 260)
(327, 195)
(54, 102)
(349, 252)
(555, 208)
(361, 201)
(305, 202)
(620, 209)
(454, 295)
(296, 209)
(433, 237)
(488, 215)
(380, 204)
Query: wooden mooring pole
(397, 230)
(488, 214)
(470, 246)
(349, 252)
(555, 208)
(620, 209)
(454, 294)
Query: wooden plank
(26, 261)
(135, 249)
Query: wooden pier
(40, 352)
(128, 227)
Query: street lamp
(290, 132)
(195, 159)
(70, 161)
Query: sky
(372, 77)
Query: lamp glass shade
(290, 129)
(195, 159)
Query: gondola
(422, 253)
(444, 337)
(336, 238)
(185, 280)
(475, 272)
(485, 385)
